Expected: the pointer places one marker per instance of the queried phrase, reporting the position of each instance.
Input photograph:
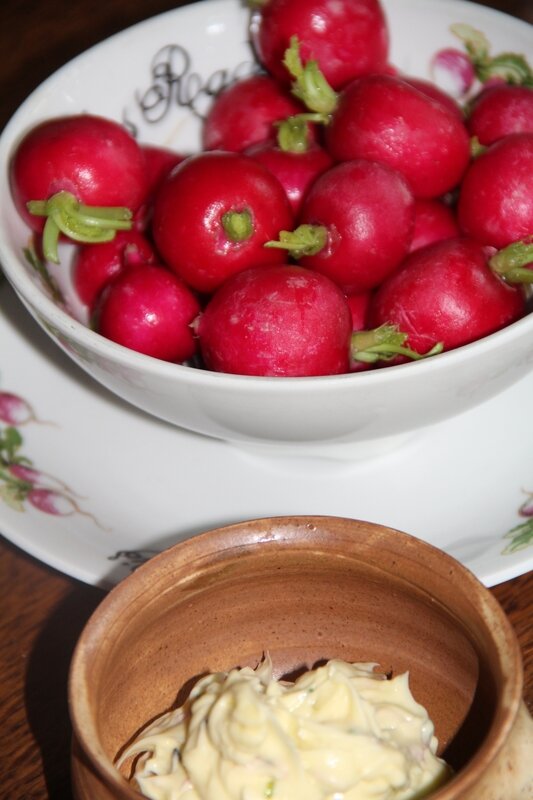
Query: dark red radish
(85, 175)
(500, 110)
(434, 221)
(496, 197)
(94, 265)
(383, 118)
(348, 38)
(159, 162)
(149, 310)
(213, 216)
(293, 159)
(356, 225)
(446, 292)
(282, 321)
(359, 303)
(245, 112)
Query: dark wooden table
(41, 611)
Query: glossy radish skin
(368, 212)
(148, 309)
(93, 158)
(496, 197)
(359, 303)
(276, 321)
(500, 110)
(245, 113)
(436, 93)
(213, 216)
(383, 118)
(348, 38)
(434, 222)
(446, 292)
(94, 265)
(159, 162)
(295, 171)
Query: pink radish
(293, 159)
(434, 221)
(245, 113)
(276, 321)
(150, 310)
(384, 118)
(213, 216)
(14, 410)
(496, 196)
(356, 224)
(57, 504)
(94, 265)
(347, 38)
(84, 174)
(447, 292)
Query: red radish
(359, 303)
(347, 38)
(94, 265)
(276, 321)
(436, 93)
(245, 113)
(213, 216)
(446, 292)
(356, 225)
(84, 173)
(500, 110)
(294, 160)
(148, 309)
(159, 162)
(496, 197)
(434, 221)
(383, 118)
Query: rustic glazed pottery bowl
(165, 71)
(304, 589)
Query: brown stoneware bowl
(305, 589)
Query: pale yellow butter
(339, 732)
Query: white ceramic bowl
(164, 71)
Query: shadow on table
(46, 686)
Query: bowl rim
(46, 310)
(205, 547)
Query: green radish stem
(79, 222)
(513, 68)
(305, 240)
(510, 262)
(309, 84)
(238, 225)
(293, 134)
(383, 344)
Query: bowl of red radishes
(270, 231)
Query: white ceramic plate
(131, 485)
